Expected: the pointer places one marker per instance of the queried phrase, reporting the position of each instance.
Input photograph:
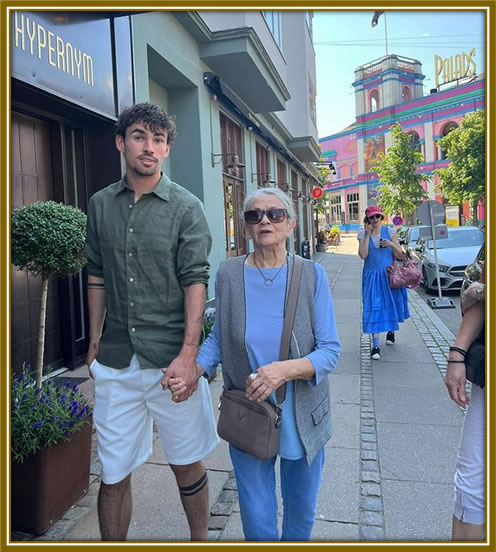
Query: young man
(147, 244)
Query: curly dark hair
(152, 116)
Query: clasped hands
(268, 379)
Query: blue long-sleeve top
(264, 321)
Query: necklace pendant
(268, 282)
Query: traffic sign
(423, 212)
(397, 221)
(317, 192)
(440, 232)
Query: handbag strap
(294, 288)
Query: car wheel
(425, 281)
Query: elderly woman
(383, 307)
(250, 297)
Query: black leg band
(195, 488)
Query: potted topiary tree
(50, 426)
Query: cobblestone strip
(222, 509)
(371, 510)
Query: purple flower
(38, 391)
(35, 425)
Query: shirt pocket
(321, 411)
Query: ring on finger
(253, 376)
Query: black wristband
(458, 350)
(457, 361)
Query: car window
(459, 238)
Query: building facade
(241, 85)
(389, 90)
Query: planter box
(322, 247)
(49, 482)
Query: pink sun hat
(373, 210)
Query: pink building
(390, 90)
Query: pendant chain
(269, 281)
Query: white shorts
(470, 476)
(128, 401)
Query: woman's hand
(386, 243)
(368, 229)
(475, 293)
(268, 379)
(455, 380)
(178, 387)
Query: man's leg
(192, 483)
(115, 505)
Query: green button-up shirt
(147, 252)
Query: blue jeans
(256, 482)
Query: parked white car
(454, 254)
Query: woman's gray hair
(286, 201)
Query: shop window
(262, 175)
(353, 206)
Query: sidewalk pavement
(389, 465)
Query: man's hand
(183, 367)
(178, 387)
(92, 352)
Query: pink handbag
(407, 275)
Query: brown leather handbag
(252, 426)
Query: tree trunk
(41, 334)
(475, 218)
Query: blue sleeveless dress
(383, 308)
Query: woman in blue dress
(383, 308)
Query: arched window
(447, 128)
(374, 100)
(405, 94)
(415, 141)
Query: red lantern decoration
(317, 192)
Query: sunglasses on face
(256, 215)
(372, 217)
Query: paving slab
(346, 425)
(338, 498)
(416, 511)
(423, 405)
(345, 388)
(418, 452)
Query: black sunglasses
(256, 215)
(372, 217)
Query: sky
(344, 40)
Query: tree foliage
(48, 239)
(400, 190)
(465, 177)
